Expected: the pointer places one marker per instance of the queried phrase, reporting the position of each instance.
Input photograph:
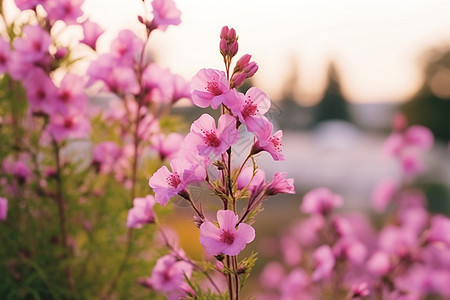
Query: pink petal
(227, 220)
(245, 232)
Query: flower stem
(62, 213)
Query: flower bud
(238, 79)
(242, 63)
(234, 47)
(224, 32)
(251, 69)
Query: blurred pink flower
(158, 84)
(66, 11)
(68, 124)
(91, 31)
(291, 250)
(350, 249)
(324, 263)
(420, 137)
(320, 201)
(295, 285)
(272, 275)
(379, 263)
(167, 146)
(206, 139)
(168, 276)
(126, 48)
(3, 208)
(165, 13)
(142, 212)
(400, 241)
(105, 156)
(41, 91)
(226, 239)
(383, 193)
(71, 94)
(209, 87)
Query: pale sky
(376, 43)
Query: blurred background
(336, 71)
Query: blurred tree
(333, 105)
(431, 105)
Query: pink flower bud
(61, 52)
(224, 32)
(231, 34)
(234, 47)
(251, 69)
(237, 79)
(242, 62)
(223, 46)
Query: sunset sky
(376, 44)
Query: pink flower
(166, 184)
(280, 184)
(68, 124)
(91, 32)
(127, 48)
(167, 146)
(141, 213)
(291, 250)
(268, 142)
(30, 51)
(209, 87)
(168, 276)
(66, 11)
(411, 163)
(158, 84)
(206, 139)
(165, 13)
(41, 91)
(295, 285)
(324, 261)
(3, 208)
(379, 263)
(420, 137)
(226, 239)
(249, 108)
(399, 241)
(320, 201)
(105, 156)
(383, 193)
(71, 93)
(350, 249)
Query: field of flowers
(87, 188)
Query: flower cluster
(332, 256)
(206, 159)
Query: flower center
(68, 123)
(227, 237)
(210, 138)
(65, 96)
(40, 94)
(173, 180)
(276, 143)
(213, 88)
(250, 108)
